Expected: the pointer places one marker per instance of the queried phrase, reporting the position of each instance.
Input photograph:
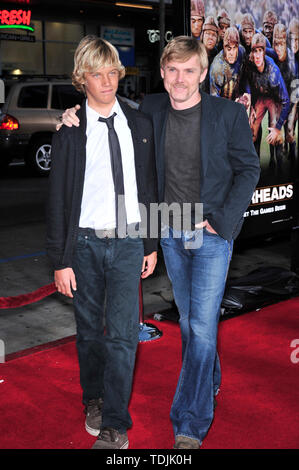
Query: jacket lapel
(132, 125)
(159, 125)
(130, 117)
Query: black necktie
(117, 173)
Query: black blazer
(67, 180)
(230, 166)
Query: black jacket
(67, 180)
(229, 166)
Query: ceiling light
(16, 72)
(133, 5)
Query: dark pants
(106, 306)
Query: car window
(35, 96)
(6, 91)
(65, 96)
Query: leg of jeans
(178, 264)
(192, 409)
(123, 272)
(88, 304)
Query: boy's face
(101, 86)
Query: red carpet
(257, 408)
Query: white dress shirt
(98, 201)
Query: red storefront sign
(15, 17)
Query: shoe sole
(124, 446)
(92, 431)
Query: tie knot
(108, 121)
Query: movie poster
(253, 59)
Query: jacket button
(144, 140)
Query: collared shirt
(98, 201)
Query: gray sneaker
(183, 442)
(111, 439)
(93, 421)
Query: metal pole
(162, 25)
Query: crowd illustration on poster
(253, 59)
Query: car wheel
(39, 158)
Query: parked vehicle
(28, 118)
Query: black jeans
(106, 306)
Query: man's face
(294, 43)
(221, 30)
(247, 34)
(280, 48)
(231, 53)
(181, 81)
(196, 25)
(101, 86)
(258, 58)
(268, 30)
(209, 39)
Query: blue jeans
(198, 276)
(106, 306)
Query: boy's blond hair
(92, 54)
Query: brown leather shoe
(183, 442)
(110, 438)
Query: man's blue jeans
(198, 276)
(106, 306)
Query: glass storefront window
(60, 58)
(22, 57)
(37, 25)
(59, 45)
(63, 32)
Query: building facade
(40, 37)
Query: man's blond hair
(92, 54)
(182, 48)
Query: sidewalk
(24, 268)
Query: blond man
(102, 169)
(205, 154)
